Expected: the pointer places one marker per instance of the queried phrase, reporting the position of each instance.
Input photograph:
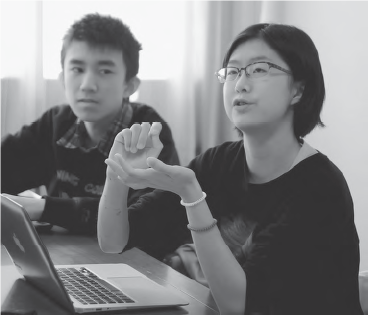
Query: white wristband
(191, 204)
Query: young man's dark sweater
(50, 152)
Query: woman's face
(262, 103)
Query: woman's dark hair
(298, 50)
(105, 31)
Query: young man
(66, 147)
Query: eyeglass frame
(270, 64)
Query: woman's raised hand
(137, 143)
(133, 158)
(176, 179)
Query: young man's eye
(76, 69)
(105, 71)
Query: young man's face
(94, 81)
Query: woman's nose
(242, 82)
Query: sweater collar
(76, 136)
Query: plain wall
(340, 32)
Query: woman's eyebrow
(252, 60)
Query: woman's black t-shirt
(304, 254)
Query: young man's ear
(298, 92)
(61, 78)
(132, 86)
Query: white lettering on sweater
(94, 189)
(65, 176)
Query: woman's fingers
(122, 168)
(159, 175)
(126, 136)
(115, 167)
(158, 165)
(142, 140)
(154, 134)
(133, 178)
(136, 130)
(169, 170)
(140, 136)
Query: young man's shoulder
(62, 110)
(142, 109)
(146, 113)
(56, 120)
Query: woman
(271, 218)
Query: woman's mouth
(241, 103)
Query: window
(32, 32)
(155, 24)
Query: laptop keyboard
(88, 288)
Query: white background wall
(340, 32)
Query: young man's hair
(299, 52)
(105, 31)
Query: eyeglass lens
(253, 71)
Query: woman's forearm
(112, 223)
(225, 276)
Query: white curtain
(192, 93)
(22, 85)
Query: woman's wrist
(112, 176)
(191, 192)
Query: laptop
(77, 288)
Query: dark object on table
(19, 312)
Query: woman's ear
(131, 86)
(298, 92)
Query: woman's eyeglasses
(253, 71)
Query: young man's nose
(242, 83)
(89, 82)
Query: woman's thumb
(157, 165)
